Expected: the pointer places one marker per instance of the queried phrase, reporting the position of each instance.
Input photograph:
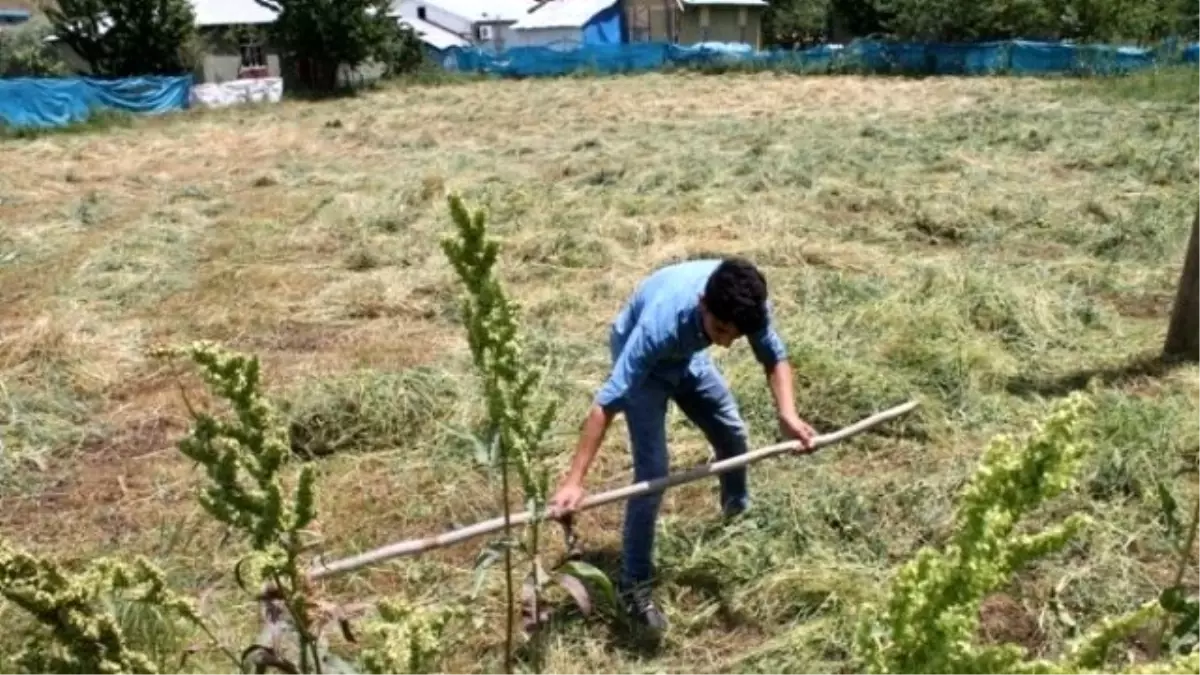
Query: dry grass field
(985, 245)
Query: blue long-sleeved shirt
(659, 330)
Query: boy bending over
(658, 343)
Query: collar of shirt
(693, 331)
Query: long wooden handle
(321, 570)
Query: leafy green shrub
(79, 632)
(402, 52)
(24, 51)
(515, 425)
(798, 23)
(319, 38)
(931, 616)
(140, 37)
(408, 639)
(245, 457)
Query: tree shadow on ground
(1151, 365)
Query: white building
(570, 24)
(235, 48)
(458, 23)
(226, 61)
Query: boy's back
(665, 299)
(679, 281)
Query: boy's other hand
(566, 500)
(797, 429)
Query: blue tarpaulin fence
(1017, 57)
(52, 102)
(55, 102)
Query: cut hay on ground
(981, 244)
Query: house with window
(234, 38)
(440, 24)
(688, 22)
(233, 42)
(570, 24)
(436, 28)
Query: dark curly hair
(736, 293)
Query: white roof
(563, 14)
(748, 3)
(434, 36)
(102, 27)
(229, 12)
(212, 13)
(483, 10)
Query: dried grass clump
(985, 245)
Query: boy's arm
(570, 491)
(772, 354)
(779, 376)
(633, 365)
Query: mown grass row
(987, 258)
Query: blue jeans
(704, 397)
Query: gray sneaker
(735, 508)
(639, 602)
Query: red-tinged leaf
(542, 575)
(578, 591)
(340, 615)
(531, 597)
(529, 625)
(529, 590)
(596, 579)
(263, 658)
(276, 632)
(237, 574)
(191, 649)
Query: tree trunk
(1183, 333)
(316, 76)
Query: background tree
(401, 52)
(1112, 20)
(24, 51)
(801, 23)
(123, 38)
(854, 18)
(1187, 19)
(316, 38)
(796, 23)
(1084, 20)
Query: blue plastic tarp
(1015, 56)
(605, 27)
(54, 102)
(534, 61)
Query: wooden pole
(320, 570)
(1183, 333)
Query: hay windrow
(983, 244)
